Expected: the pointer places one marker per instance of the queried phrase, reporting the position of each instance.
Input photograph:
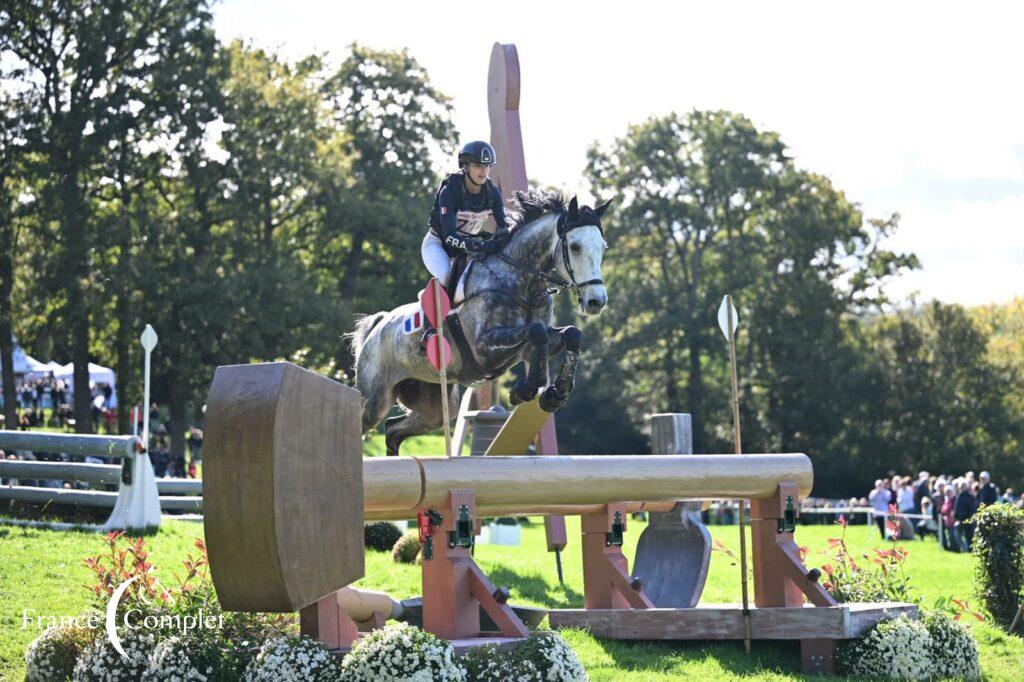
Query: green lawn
(42, 570)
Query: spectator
(195, 444)
(988, 493)
(1008, 497)
(160, 457)
(949, 521)
(905, 496)
(926, 526)
(922, 489)
(938, 497)
(880, 499)
(964, 507)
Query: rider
(468, 211)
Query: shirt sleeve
(499, 210)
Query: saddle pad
(460, 288)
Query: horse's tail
(364, 325)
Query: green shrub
(898, 649)
(52, 655)
(406, 549)
(875, 578)
(101, 662)
(293, 658)
(381, 535)
(542, 656)
(953, 649)
(999, 571)
(400, 651)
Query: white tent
(97, 373)
(26, 364)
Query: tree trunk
(6, 327)
(177, 402)
(127, 393)
(76, 273)
(695, 391)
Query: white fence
(140, 496)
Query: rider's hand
(489, 246)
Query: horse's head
(579, 252)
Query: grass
(41, 571)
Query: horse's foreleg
(502, 339)
(557, 393)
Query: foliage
(381, 535)
(176, 658)
(876, 578)
(401, 651)
(898, 649)
(292, 659)
(101, 662)
(999, 549)
(52, 655)
(406, 549)
(954, 651)
(542, 656)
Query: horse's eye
(575, 248)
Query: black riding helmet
(477, 151)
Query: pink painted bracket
(606, 580)
(454, 587)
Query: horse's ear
(574, 209)
(602, 208)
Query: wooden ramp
(725, 621)
(521, 429)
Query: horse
(502, 318)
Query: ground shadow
(778, 657)
(536, 588)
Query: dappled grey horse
(503, 317)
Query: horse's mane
(529, 206)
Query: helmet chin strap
(465, 171)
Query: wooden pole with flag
(728, 321)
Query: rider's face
(478, 172)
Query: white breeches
(436, 258)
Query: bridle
(553, 279)
(564, 228)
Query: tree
(375, 192)
(88, 70)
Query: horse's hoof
(550, 400)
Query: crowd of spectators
(165, 463)
(941, 506)
(46, 402)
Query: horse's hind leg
(377, 399)
(423, 402)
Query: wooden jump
(287, 491)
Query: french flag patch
(444, 210)
(414, 322)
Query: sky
(915, 108)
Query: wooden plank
(521, 429)
(725, 621)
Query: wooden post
(454, 587)
(606, 580)
(328, 622)
(509, 174)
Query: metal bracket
(787, 524)
(614, 538)
(463, 534)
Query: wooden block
(282, 485)
(521, 429)
(725, 621)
